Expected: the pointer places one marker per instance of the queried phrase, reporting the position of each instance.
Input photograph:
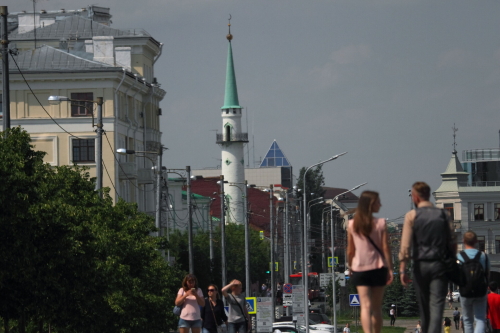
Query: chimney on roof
(124, 57)
(89, 46)
(27, 22)
(103, 49)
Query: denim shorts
(190, 323)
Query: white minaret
(231, 141)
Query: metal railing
(488, 154)
(241, 137)
(479, 184)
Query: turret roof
(231, 94)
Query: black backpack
(475, 282)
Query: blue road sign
(251, 305)
(354, 300)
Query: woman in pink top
(369, 259)
(190, 298)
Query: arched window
(228, 133)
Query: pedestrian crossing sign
(251, 305)
(330, 263)
(354, 300)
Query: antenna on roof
(34, 20)
(455, 130)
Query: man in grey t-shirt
(238, 319)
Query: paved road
(410, 324)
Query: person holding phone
(190, 298)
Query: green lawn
(386, 329)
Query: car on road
(312, 324)
(456, 296)
(322, 293)
(293, 328)
(319, 318)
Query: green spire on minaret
(231, 93)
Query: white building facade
(472, 196)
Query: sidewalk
(410, 324)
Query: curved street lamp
(305, 273)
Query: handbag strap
(375, 246)
(213, 311)
(242, 313)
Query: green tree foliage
(393, 294)
(409, 304)
(329, 293)
(235, 255)
(71, 259)
(314, 189)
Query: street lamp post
(271, 226)
(305, 255)
(223, 230)
(157, 171)
(334, 295)
(247, 236)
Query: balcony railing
(241, 137)
(488, 154)
(479, 184)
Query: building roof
(231, 94)
(453, 176)
(258, 201)
(275, 157)
(76, 27)
(332, 192)
(49, 58)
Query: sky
(384, 80)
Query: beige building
(83, 58)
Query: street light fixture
(157, 171)
(247, 235)
(305, 255)
(333, 254)
(54, 100)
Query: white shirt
(347, 330)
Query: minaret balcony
(224, 139)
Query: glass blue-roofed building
(274, 169)
(275, 157)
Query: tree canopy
(71, 260)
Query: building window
(478, 212)
(83, 150)
(481, 244)
(496, 213)
(1, 106)
(82, 109)
(449, 209)
(497, 244)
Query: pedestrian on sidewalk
(190, 298)
(428, 237)
(456, 318)
(392, 313)
(213, 313)
(346, 328)
(418, 329)
(449, 297)
(473, 294)
(239, 320)
(447, 325)
(494, 307)
(369, 259)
